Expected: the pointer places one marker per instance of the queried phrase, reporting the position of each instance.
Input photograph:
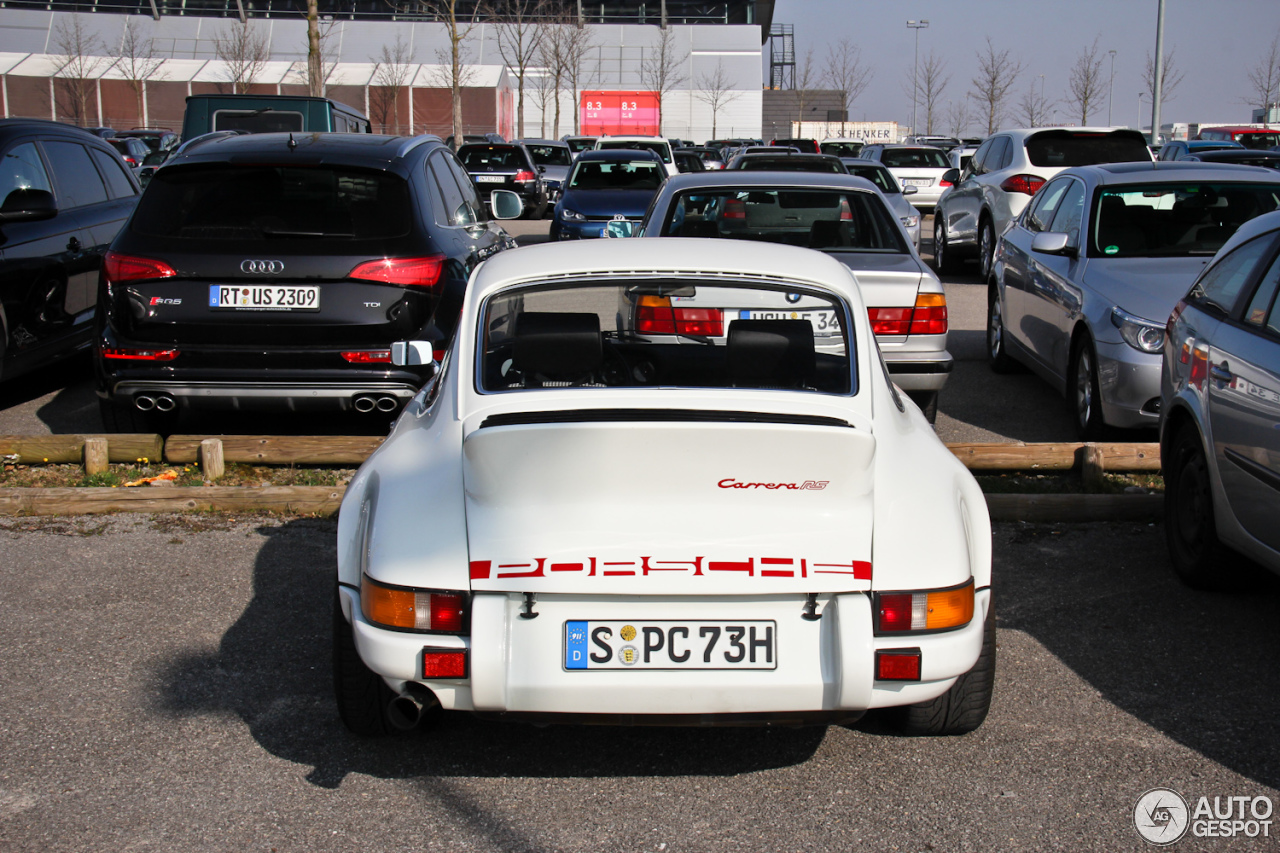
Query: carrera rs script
(730, 483)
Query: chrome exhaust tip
(388, 404)
(144, 403)
(165, 403)
(364, 403)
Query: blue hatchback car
(617, 184)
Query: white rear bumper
(516, 665)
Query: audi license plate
(490, 179)
(825, 323)
(692, 644)
(264, 297)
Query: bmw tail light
(924, 610)
(413, 609)
(930, 314)
(890, 321)
(405, 272)
(120, 268)
(524, 176)
(734, 208)
(1025, 184)
(131, 354)
(655, 316)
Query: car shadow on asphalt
(273, 669)
(1196, 666)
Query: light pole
(1111, 89)
(922, 24)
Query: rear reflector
(898, 665)
(412, 609)
(405, 272)
(930, 610)
(439, 663)
(373, 357)
(1026, 184)
(140, 354)
(120, 268)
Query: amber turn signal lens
(382, 605)
(950, 608)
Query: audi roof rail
(414, 141)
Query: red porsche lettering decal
(815, 485)
(646, 566)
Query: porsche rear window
(1064, 148)
(642, 333)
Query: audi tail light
(656, 316)
(120, 268)
(133, 354)
(524, 176)
(404, 272)
(413, 609)
(1025, 184)
(924, 610)
(368, 356)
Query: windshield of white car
(878, 175)
(659, 148)
(690, 333)
(1174, 219)
(829, 220)
(616, 175)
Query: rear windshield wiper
(269, 232)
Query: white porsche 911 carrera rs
(615, 502)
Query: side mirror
(619, 228)
(505, 204)
(27, 205)
(951, 176)
(412, 353)
(1053, 243)
(910, 190)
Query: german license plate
(264, 297)
(490, 179)
(918, 182)
(691, 644)
(824, 322)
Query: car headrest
(770, 353)
(556, 344)
(829, 234)
(700, 228)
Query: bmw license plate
(693, 644)
(824, 322)
(264, 297)
(490, 179)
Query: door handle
(1221, 372)
(73, 245)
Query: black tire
(928, 403)
(944, 257)
(361, 694)
(1199, 559)
(997, 355)
(986, 249)
(962, 708)
(1083, 397)
(121, 418)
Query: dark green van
(269, 114)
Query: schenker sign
(863, 131)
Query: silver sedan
(1087, 275)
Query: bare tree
(460, 18)
(716, 91)
(391, 74)
(1085, 85)
(1264, 78)
(551, 56)
(806, 80)
(1170, 77)
(1033, 109)
(519, 41)
(320, 64)
(997, 72)
(925, 86)
(137, 62)
(246, 50)
(662, 68)
(80, 58)
(846, 73)
(958, 116)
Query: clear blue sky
(1214, 43)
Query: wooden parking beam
(278, 449)
(211, 462)
(63, 449)
(95, 456)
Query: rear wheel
(1198, 558)
(962, 708)
(996, 356)
(361, 693)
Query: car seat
(770, 354)
(557, 348)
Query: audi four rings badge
(262, 267)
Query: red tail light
(416, 609)
(524, 176)
(655, 316)
(945, 183)
(1027, 184)
(734, 209)
(140, 354)
(846, 215)
(1199, 366)
(405, 272)
(120, 268)
(131, 161)
(930, 315)
(368, 357)
(890, 321)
